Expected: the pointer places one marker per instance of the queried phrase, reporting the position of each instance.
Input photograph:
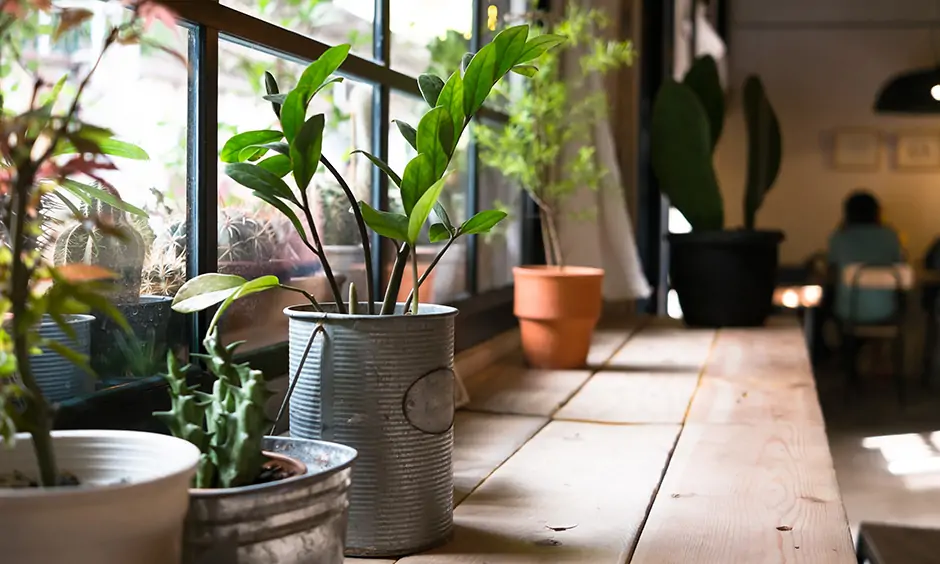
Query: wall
(822, 62)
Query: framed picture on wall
(856, 149)
(917, 150)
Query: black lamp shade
(910, 93)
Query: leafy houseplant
(42, 149)
(409, 360)
(723, 277)
(551, 116)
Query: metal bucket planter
(300, 520)
(58, 378)
(383, 385)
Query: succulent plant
(243, 238)
(227, 425)
(112, 241)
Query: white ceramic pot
(129, 508)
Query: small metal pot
(56, 376)
(299, 520)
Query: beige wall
(822, 62)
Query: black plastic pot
(725, 278)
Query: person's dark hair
(861, 208)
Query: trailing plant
(41, 151)
(688, 118)
(553, 111)
(228, 424)
(259, 160)
(86, 243)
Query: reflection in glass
(254, 238)
(430, 35)
(499, 250)
(140, 93)
(331, 21)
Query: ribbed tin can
(56, 376)
(299, 520)
(383, 385)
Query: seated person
(862, 239)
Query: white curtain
(605, 240)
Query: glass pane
(329, 21)
(254, 238)
(501, 249)
(448, 280)
(150, 265)
(430, 35)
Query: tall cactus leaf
(704, 80)
(764, 147)
(682, 156)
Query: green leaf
(232, 148)
(270, 86)
(423, 209)
(430, 86)
(106, 145)
(482, 222)
(443, 216)
(419, 176)
(479, 79)
(382, 166)
(436, 138)
(465, 62)
(537, 46)
(452, 98)
(260, 180)
(318, 71)
(276, 99)
(407, 132)
(260, 284)
(525, 70)
(86, 191)
(438, 233)
(334, 80)
(387, 224)
(278, 165)
(510, 44)
(305, 151)
(206, 290)
(704, 80)
(293, 112)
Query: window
(198, 220)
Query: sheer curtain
(606, 239)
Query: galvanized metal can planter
(57, 377)
(300, 520)
(383, 385)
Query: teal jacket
(864, 244)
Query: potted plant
(110, 497)
(121, 246)
(255, 499)
(381, 378)
(546, 148)
(723, 277)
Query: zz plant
(260, 160)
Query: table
(677, 446)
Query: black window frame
(482, 315)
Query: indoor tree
(553, 111)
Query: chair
(896, 277)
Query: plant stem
(318, 251)
(361, 224)
(38, 413)
(308, 295)
(394, 281)
(414, 276)
(556, 242)
(430, 267)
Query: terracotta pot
(557, 310)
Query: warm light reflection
(798, 296)
(492, 17)
(915, 457)
(935, 92)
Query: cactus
(124, 254)
(688, 119)
(764, 147)
(227, 425)
(245, 239)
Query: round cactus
(111, 241)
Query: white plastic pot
(128, 510)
